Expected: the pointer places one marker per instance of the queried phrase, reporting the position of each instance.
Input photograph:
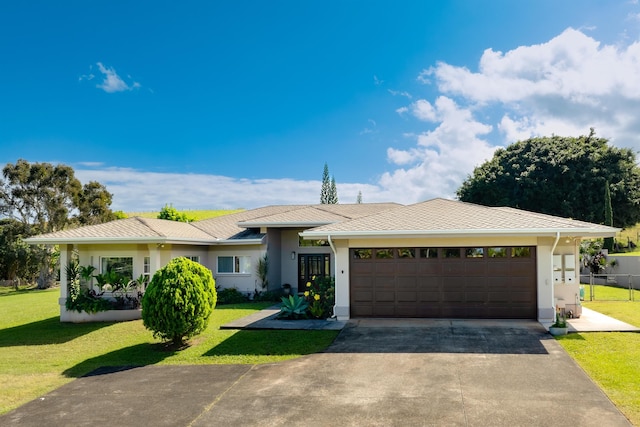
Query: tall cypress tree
(325, 191)
(328, 192)
(333, 194)
(608, 216)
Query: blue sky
(240, 104)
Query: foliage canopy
(46, 198)
(179, 301)
(563, 176)
(172, 214)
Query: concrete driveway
(376, 373)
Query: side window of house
(146, 269)
(194, 258)
(234, 264)
(120, 265)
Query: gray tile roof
(136, 228)
(317, 215)
(441, 216)
(430, 217)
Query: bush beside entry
(179, 301)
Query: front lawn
(39, 354)
(612, 359)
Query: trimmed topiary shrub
(179, 301)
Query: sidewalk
(266, 319)
(592, 321)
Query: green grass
(197, 215)
(39, 354)
(611, 359)
(609, 293)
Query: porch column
(154, 259)
(65, 256)
(342, 291)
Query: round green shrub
(179, 301)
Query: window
(120, 265)
(384, 253)
(146, 269)
(234, 264)
(521, 252)
(428, 252)
(497, 252)
(451, 252)
(362, 254)
(406, 253)
(474, 252)
(195, 258)
(302, 242)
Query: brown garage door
(479, 282)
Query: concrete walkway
(267, 319)
(592, 321)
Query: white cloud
(423, 110)
(112, 82)
(135, 190)
(563, 86)
(568, 84)
(442, 157)
(400, 93)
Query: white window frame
(194, 258)
(241, 264)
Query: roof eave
(236, 242)
(564, 232)
(115, 240)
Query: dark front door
(310, 266)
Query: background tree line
(582, 178)
(37, 198)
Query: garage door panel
(476, 297)
(429, 296)
(360, 267)
(428, 267)
(385, 268)
(475, 269)
(498, 268)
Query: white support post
(65, 252)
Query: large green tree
(48, 198)
(94, 203)
(16, 255)
(562, 176)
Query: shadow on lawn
(120, 360)
(273, 342)
(47, 331)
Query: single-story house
(437, 259)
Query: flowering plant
(320, 294)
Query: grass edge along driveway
(611, 359)
(39, 354)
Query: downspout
(335, 271)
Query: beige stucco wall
(247, 283)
